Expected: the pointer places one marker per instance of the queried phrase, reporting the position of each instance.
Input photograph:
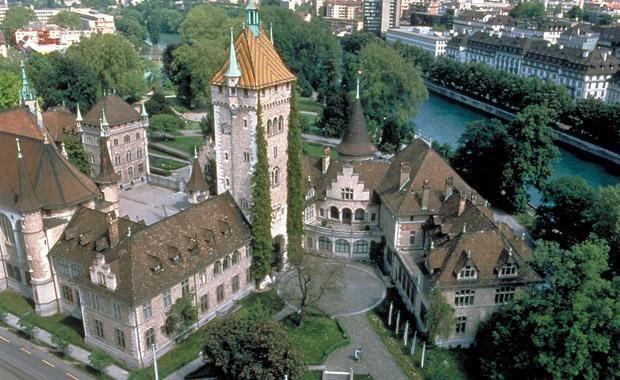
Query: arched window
(275, 177)
(346, 215)
(360, 215)
(360, 247)
(128, 156)
(334, 213)
(325, 244)
(343, 246)
(310, 193)
(217, 268)
(280, 123)
(130, 172)
(268, 127)
(7, 228)
(117, 159)
(226, 262)
(235, 258)
(139, 153)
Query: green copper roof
(233, 68)
(26, 93)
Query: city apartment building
(126, 130)
(47, 38)
(344, 9)
(92, 19)
(381, 15)
(421, 37)
(584, 73)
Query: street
(21, 360)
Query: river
(444, 120)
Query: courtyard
(151, 203)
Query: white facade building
(420, 36)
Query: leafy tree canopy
(77, 154)
(334, 119)
(606, 221)
(528, 9)
(440, 320)
(181, 316)
(157, 104)
(16, 18)
(10, 84)
(258, 349)
(66, 19)
(165, 125)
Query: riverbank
(562, 137)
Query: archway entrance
(346, 216)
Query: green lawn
(318, 337)
(174, 102)
(315, 150)
(184, 143)
(166, 164)
(159, 152)
(439, 362)
(268, 299)
(308, 105)
(16, 304)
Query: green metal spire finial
(78, 117)
(26, 92)
(357, 92)
(271, 32)
(233, 68)
(143, 112)
(252, 17)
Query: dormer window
(467, 273)
(508, 270)
(176, 259)
(101, 278)
(310, 193)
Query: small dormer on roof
(465, 268)
(507, 265)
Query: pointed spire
(197, 182)
(78, 117)
(195, 152)
(233, 68)
(101, 129)
(63, 150)
(107, 175)
(26, 199)
(26, 93)
(357, 90)
(271, 32)
(143, 112)
(104, 120)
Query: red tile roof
(259, 62)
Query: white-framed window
(147, 310)
(99, 328)
(95, 301)
(468, 272)
(508, 270)
(310, 193)
(504, 294)
(202, 278)
(117, 310)
(346, 193)
(149, 336)
(309, 212)
(275, 177)
(464, 297)
(128, 156)
(246, 156)
(166, 298)
(461, 324)
(119, 337)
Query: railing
(169, 183)
(343, 231)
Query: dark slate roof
(356, 143)
(426, 165)
(117, 112)
(197, 180)
(26, 199)
(59, 122)
(201, 234)
(106, 175)
(56, 182)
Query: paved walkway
(376, 359)
(75, 352)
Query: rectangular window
(98, 328)
(412, 238)
(508, 270)
(116, 309)
(464, 297)
(147, 310)
(373, 216)
(204, 303)
(321, 212)
(248, 277)
(185, 287)
(115, 142)
(119, 337)
(63, 267)
(504, 294)
(67, 293)
(95, 299)
(461, 324)
(246, 156)
(235, 283)
(166, 298)
(202, 278)
(309, 212)
(346, 193)
(468, 272)
(220, 293)
(149, 336)
(137, 135)
(75, 270)
(275, 152)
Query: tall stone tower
(254, 70)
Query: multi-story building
(344, 9)
(254, 76)
(380, 15)
(433, 230)
(422, 37)
(47, 38)
(92, 19)
(584, 73)
(126, 129)
(342, 26)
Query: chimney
(325, 159)
(405, 171)
(426, 190)
(474, 197)
(449, 187)
(112, 228)
(462, 203)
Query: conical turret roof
(107, 175)
(356, 143)
(26, 199)
(197, 181)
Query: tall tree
(115, 62)
(440, 316)
(60, 79)
(295, 192)
(181, 316)
(66, 19)
(528, 9)
(15, 18)
(77, 154)
(529, 150)
(333, 121)
(261, 205)
(480, 157)
(566, 329)
(564, 216)
(10, 85)
(244, 349)
(606, 222)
